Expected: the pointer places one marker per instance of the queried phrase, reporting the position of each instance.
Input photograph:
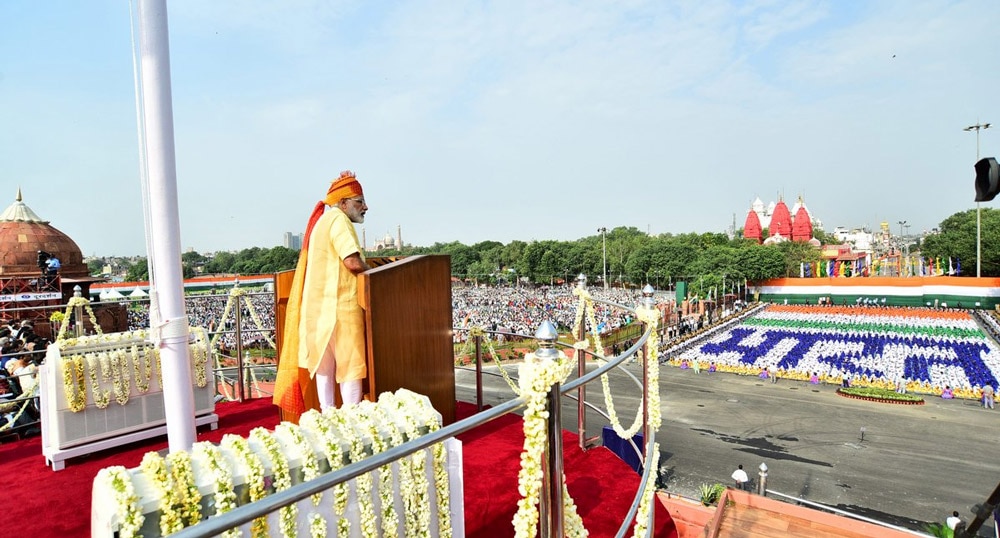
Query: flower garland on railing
(187, 490)
(199, 351)
(119, 365)
(73, 303)
(282, 478)
(257, 321)
(363, 484)
(253, 470)
(322, 425)
(309, 465)
(234, 296)
(118, 480)
(263, 462)
(222, 480)
(650, 317)
(365, 418)
(120, 376)
(641, 528)
(586, 307)
(142, 377)
(102, 398)
(466, 348)
(173, 482)
(537, 377)
(74, 383)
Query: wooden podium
(407, 304)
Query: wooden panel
(408, 329)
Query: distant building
(293, 241)
(781, 224)
(387, 242)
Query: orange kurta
(331, 320)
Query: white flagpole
(178, 396)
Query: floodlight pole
(979, 221)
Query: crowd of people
(942, 351)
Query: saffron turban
(345, 186)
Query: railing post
(479, 371)
(762, 480)
(648, 303)
(78, 312)
(240, 374)
(581, 370)
(551, 500)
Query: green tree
(957, 240)
(761, 262)
(138, 271)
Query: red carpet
(57, 504)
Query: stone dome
(23, 233)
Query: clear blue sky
(503, 120)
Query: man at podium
(324, 340)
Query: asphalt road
(915, 464)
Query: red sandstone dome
(23, 234)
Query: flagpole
(165, 254)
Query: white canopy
(138, 293)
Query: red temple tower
(752, 228)
(781, 221)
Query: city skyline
(507, 121)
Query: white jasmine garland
(154, 467)
(537, 377)
(282, 478)
(118, 480)
(120, 376)
(253, 470)
(467, 347)
(323, 427)
(73, 303)
(363, 483)
(185, 488)
(102, 398)
(641, 530)
(199, 352)
(143, 368)
(317, 525)
(365, 418)
(222, 480)
(307, 456)
(74, 384)
(415, 506)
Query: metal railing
(551, 516)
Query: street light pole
(979, 221)
(901, 223)
(604, 254)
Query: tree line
(630, 257)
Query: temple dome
(23, 233)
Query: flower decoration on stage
(322, 427)
(253, 472)
(483, 336)
(112, 361)
(73, 303)
(266, 462)
(288, 515)
(537, 376)
(118, 480)
(172, 480)
(650, 317)
(211, 459)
